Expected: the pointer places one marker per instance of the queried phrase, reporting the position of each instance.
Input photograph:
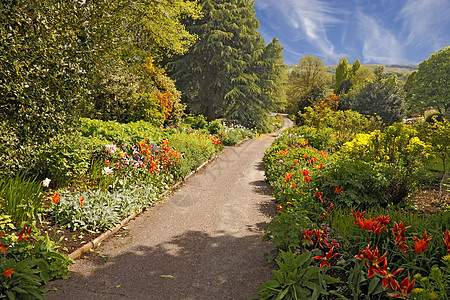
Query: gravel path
(202, 242)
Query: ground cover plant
(348, 204)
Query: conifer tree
(220, 75)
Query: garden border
(96, 242)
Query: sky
(373, 31)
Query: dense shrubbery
(351, 201)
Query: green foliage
(229, 72)
(342, 73)
(308, 81)
(21, 199)
(436, 284)
(196, 122)
(125, 134)
(101, 210)
(285, 230)
(42, 68)
(381, 97)
(297, 278)
(430, 87)
(65, 157)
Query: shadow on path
(197, 265)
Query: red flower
(421, 245)
(366, 223)
(326, 258)
(55, 198)
(295, 161)
(358, 215)
(319, 166)
(81, 202)
(307, 179)
(1, 245)
(388, 277)
(446, 240)
(398, 228)
(337, 191)
(319, 195)
(307, 235)
(287, 177)
(376, 228)
(404, 289)
(305, 143)
(293, 185)
(279, 207)
(306, 172)
(383, 219)
(25, 235)
(324, 154)
(8, 273)
(288, 203)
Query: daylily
(279, 207)
(287, 177)
(326, 258)
(55, 198)
(358, 215)
(1, 245)
(446, 240)
(398, 228)
(307, 179)
(293, 185)
(8, 273)
(81, 202)
(388, 277)
(305, 143)
(383, 219)
(404, 289)
(307, 235)
(337, 191)
(25, 235)
(377, 228)
(324, 154)
(421, 244)
(319, 166)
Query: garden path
(202, 242)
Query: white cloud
(306, 20)
(379, 45)
(426, 22)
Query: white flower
(46, 182)
(111, 148)
(107, 170)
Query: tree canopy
(228, 72)
(431, 85)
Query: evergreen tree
(342, 73)
(219, 76)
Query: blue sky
(373, 31)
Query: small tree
(431, 83)
(381, 97)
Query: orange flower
(326, 258)
(337, 191)
(293, 185)
(1, 245)
(404, 289)
(305, 172)
(421, 245)
(446, 240)
(319, 166)
(107, 162)
(287, 177)
(279, 207)
(305, 143)
(8, 273)
(398, 228)
(288, 203)
(295, 161)
(55, 198)
(324, 154)
(81, 202)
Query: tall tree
(307, 82)
(342, 73)
(219, 76)
(432, 82)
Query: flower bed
(346, 228)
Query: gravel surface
(202, 242)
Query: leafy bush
(297, 278)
